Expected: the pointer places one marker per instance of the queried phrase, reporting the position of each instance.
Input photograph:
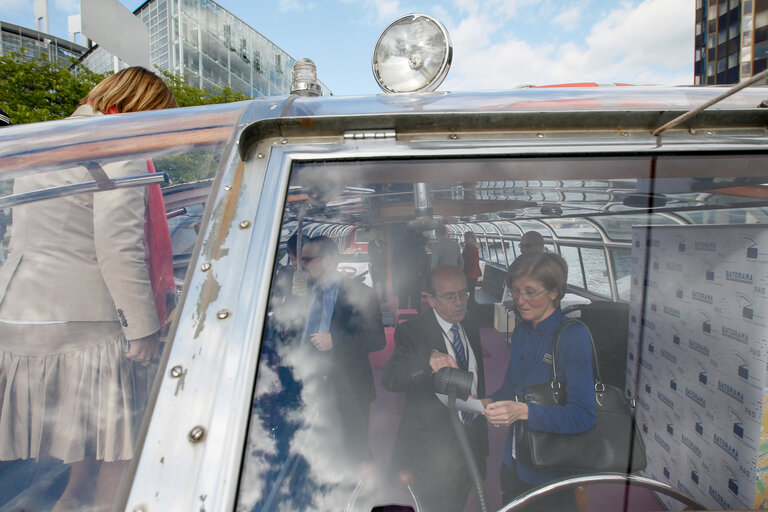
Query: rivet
(284, 141)
(227, 187)
(624, 134)
(221, 315)
(453, 136)
(177, 371)
(260, 155)
(205, 267)
(540, 135)
(244, 224)
(196, 434)
(709, 133)
(692, 131)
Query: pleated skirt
(67, 391)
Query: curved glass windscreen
(93, 254)
(352, 406)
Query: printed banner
(697, 358)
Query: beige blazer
(80, 257)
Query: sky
(497, 44)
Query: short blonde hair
(133, 89)
(548, 268)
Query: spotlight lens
(412, 54)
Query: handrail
(80, 188)
(532, 495)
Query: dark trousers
(512, 487)
(471, 285)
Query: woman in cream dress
(77, 312)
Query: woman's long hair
(133, 89)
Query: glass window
(733, 31)
(301, 425)
(103, 305)
(574, 228)
(596, 271)
(575, 269)
(622, 269)
(761, 19)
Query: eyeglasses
(517, 294)
(462, 296)
(307, 259)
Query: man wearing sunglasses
(426, 443)
(343, 324)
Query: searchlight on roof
(413, 54)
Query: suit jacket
(426, 441)
(447, 252)
(343, 372)
(80, 257)
(356, 329)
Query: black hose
(469, 457)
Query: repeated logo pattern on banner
(697, 358)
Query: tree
(189, 95)
(35, 90)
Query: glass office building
(33, 43)
(731, 40)
(210, 46)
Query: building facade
(210, 46)
(31, 44)
(731, 40)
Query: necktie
(458, 348)
(315, 312)
(461, 360)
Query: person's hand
(322, 341)
(300, 284)
(439, 360)
(505, 412)
(143, 350)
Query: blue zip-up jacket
(530, 363)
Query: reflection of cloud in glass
(260, 447)
(268, 381)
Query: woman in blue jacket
(537, 284)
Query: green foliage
(188, 167)
(188, 95)
(33, 90)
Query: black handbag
(613, 444)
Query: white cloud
(568, 19)
(648, 42)
(387, 10)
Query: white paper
(472, 405)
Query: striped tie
(461, 360)
(458, 348)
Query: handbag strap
(595, 367)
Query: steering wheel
(567, 483)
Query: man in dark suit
(343, 324)
(426, 442)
